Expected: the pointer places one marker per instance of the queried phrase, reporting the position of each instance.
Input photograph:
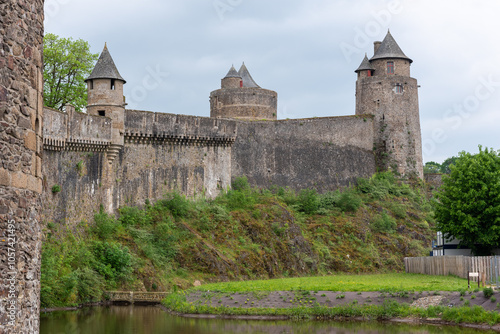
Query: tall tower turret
(105, 98)
(241, 97)
(385, 89)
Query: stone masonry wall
(322, 153)
(165, 152)
(80, 176)
(21, 37)
(75, 131)
(162, 152)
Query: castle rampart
(162, 152)
(74, 131)
(323, 153)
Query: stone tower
(21, 108)
(385, 89)
(240, 97)
(105, 98)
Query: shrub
(349, 201)
(177, 204)
(329, 200)
(219, 213)
(165, 239)
(384, 223)
(398, 210)
(56, 188)
(287, 195)
(487, 292)
(105, 225)
(89, 284)
(132, 216)
(79, 167)
(112, 260)
(308, 201)
(240, 184)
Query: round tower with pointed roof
(240, 97)
(232, 79)
(105, 97)
(385, 89)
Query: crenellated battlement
(74, 131)
(144, 127)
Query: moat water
(153, 320)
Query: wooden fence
(487, 266)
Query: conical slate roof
(232, 73)
(105, 68)
(389, 49)
(365, 65)
(248, 81)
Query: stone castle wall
(196, 156)
(322, 153)
(21, 36)
(162, 153)
(165, 152)
(75, 131)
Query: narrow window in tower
(399, 88)
(390, 67)
(101, 112)
(369, 73)
(112, 84)
(91, 84)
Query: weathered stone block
(19, 180)
(5, 177)
(30, 140)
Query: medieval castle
(115, 156)
(61, 166)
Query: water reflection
(153, 320)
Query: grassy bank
(390, 296)
(394, 282)
(244, 234)
(390, 309)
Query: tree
(432, 167)
(445, 166)
(67, 63)
(468, 202)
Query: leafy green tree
(445, 166)
(468, 205)
(67, 63)
(432, 167)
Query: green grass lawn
(376, 282)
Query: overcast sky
(174, 53)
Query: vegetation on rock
(243, 234)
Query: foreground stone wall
(21, 36)
(322, 153)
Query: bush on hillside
(384, 223)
